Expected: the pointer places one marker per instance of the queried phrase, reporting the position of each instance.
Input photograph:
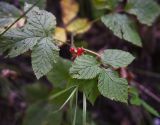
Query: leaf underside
(122, 27)
(145, 10)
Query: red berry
(80, 51)
(72, 50)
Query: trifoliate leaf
(36, 35)
(117, 58)
(112, 87)
(145, 10)
(122, 27)
(44, 54)
(59, 75)
(85, 67)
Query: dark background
(146, 69)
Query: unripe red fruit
(80, 51)
(72, 50)
(76, 52)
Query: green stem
(84, 109)
(75, 112)
(71, 95)
(19, 18)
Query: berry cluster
(77, 51)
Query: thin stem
(67, 100)
(72, 40)
(84, 109)
(93, 21)
(60, 93)
(86, 50)
(92, 52)
(75, 112)
(71, 95)
(19, 18)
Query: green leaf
(41, 22)
(133, 91)
(8, 14)
(6, 21)
(36, 92)
(58, 96)
(36, 35)
(113, 87)
(105, 4)
(135, 100)
(149, 108)
(44, 54)
(23, 40)
(40, 4)
(59, 75)
(117, 58)
(112, 4)
(42, 114)
(100, 4)
(5, 45)
(85, 67)
(122, 27)
(7, 9)
(89, 87)
(145, 10)
(134, 96)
